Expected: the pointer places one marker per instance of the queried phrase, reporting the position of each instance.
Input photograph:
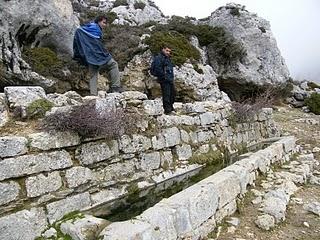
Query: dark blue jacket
(163, 68)
(88, 47)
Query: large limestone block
(11, 146)
(197, 203)
(153, 107)
(41, 184)
(53, 139)
(115, 172)
(289, 143)
(172, 136)
(9, 191)
(78, 176)
(26, 225)
(226, 185)
(129, 230)
(184, 152)
(161, 217)
(275, 207)
(56, 210)
(242, 174)
(150, 161)
(86, 228)
(23, 96)
(135, 144)
(35, 163)
(90, 153)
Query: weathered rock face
(33, 23)
(133, 15)
(190, 84)
(262, 64)
(131, 12)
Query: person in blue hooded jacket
(88, 50)
(162, 68)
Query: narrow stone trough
(140, 199)
(194, 211)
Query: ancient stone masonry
(46, 175)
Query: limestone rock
(258, 66)
(194, 86)
(130, 15)
(33, 23)
(85, 228)
(56, 210)
(133, 228)
(265, 222)
(9, 191)
(23, 96)
(313, 207)
(53, 139)
(184, 152)
(135, 144)
(36, 163)
(150, 161)
(11, 146)
(39, 185)
(90, 153)
(153, 107)
(50, 233)
(78, 175)
(25, 224)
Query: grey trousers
(113, 75)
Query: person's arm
(159, 68)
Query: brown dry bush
(248, 108)
(87, 121)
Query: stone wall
(194, 212)
(46, 175)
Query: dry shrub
(245, 110)
(87, 121)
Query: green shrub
(227, 49)
(43, 60)
(118, 3)
(139, 5)
(38, 108)
(181, 48)
(313, 102)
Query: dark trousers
(168, 96)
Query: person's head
(101, 21)
(166, 50)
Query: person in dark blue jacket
(88, 50)
(162, 68)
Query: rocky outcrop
(191, 85)
(129, 12)
(262, 64)
(29, 23)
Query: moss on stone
(43, 60)
(210, 157)
(38, 108)
(181, 48)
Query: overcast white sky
(294, 23)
